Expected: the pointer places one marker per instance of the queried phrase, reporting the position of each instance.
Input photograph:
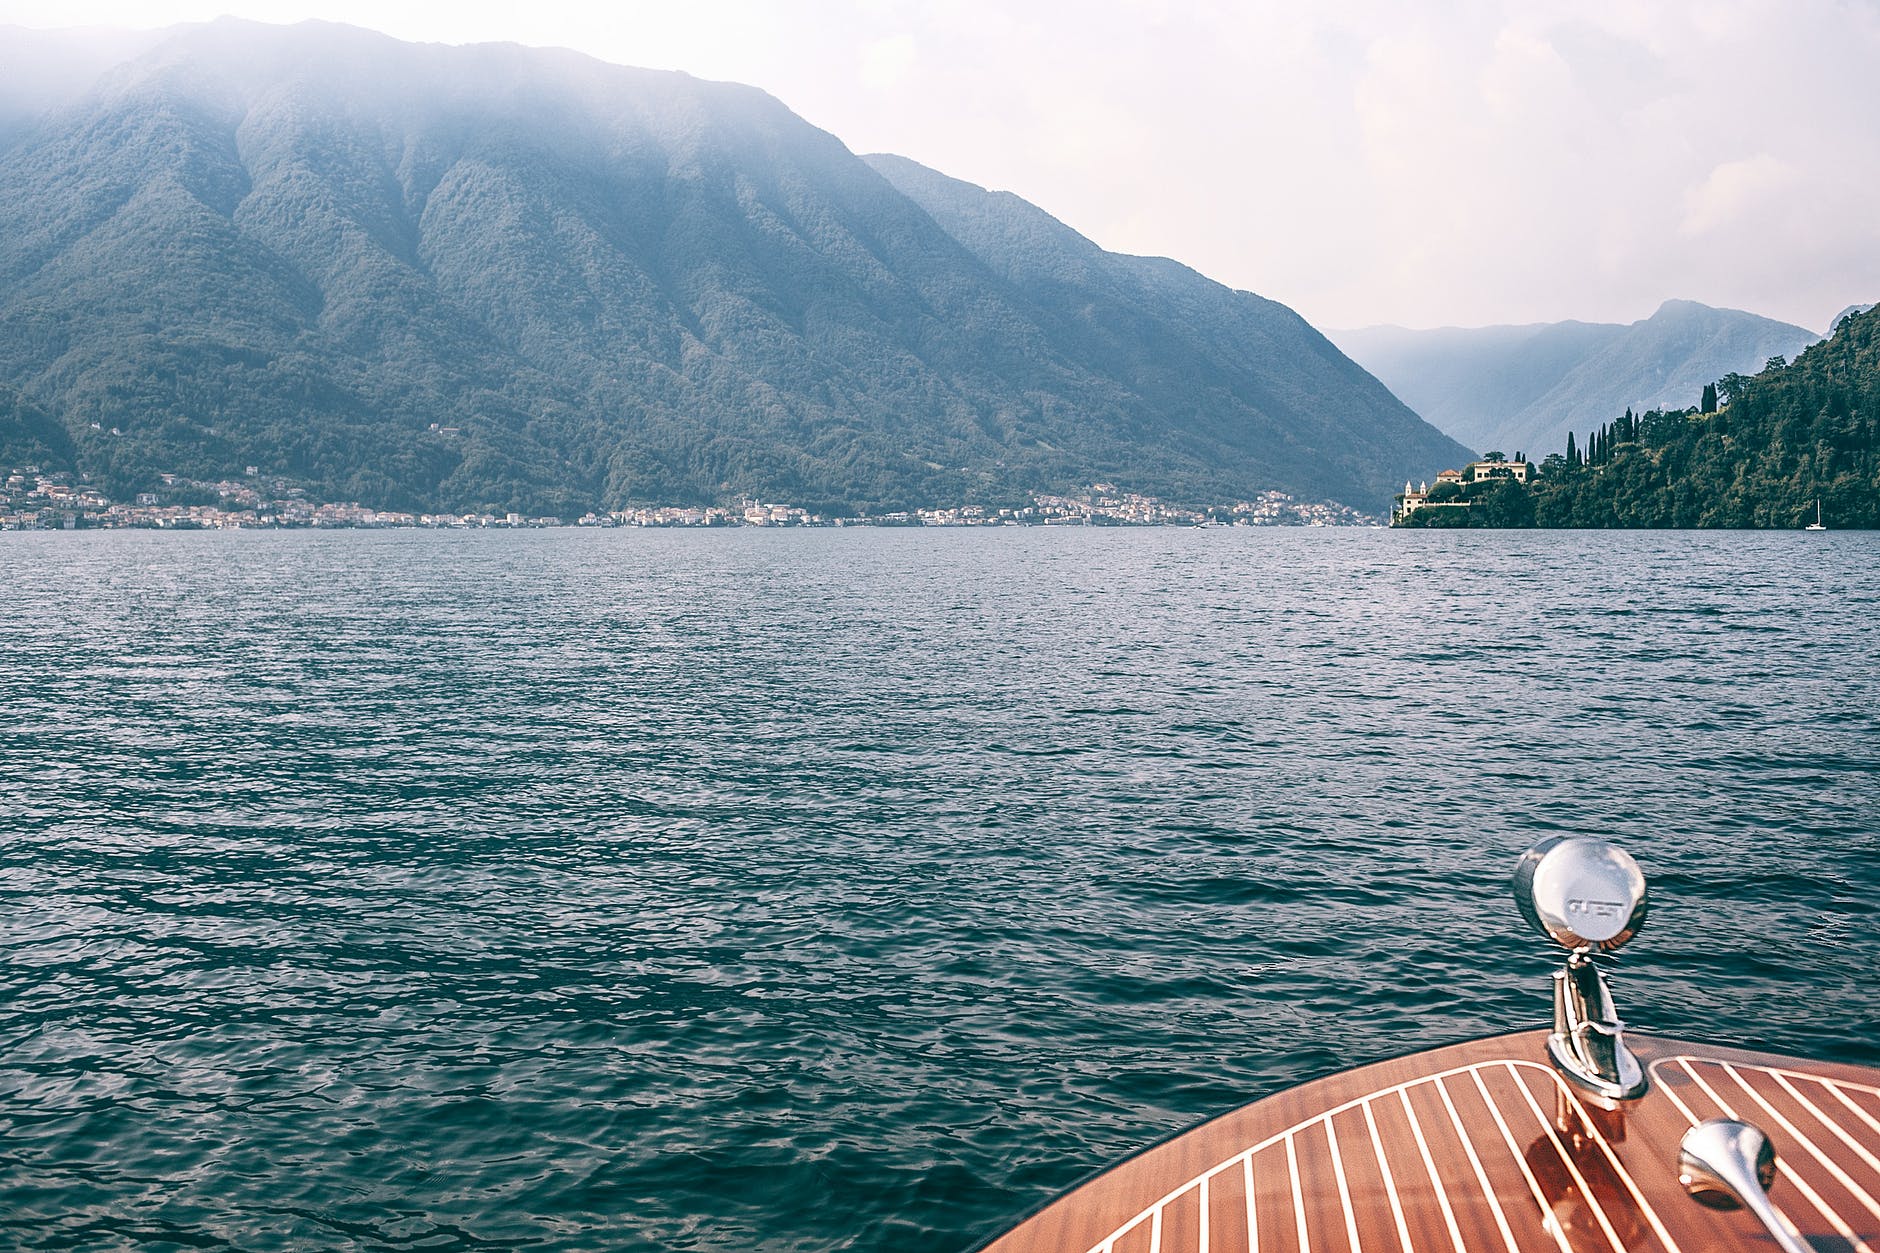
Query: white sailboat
(1816, 524)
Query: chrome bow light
(1587, 896)
(1727, 1164)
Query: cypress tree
(1709, 403)
(1573, 454)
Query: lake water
(857, 889)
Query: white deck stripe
(1859, 1193)
(1834, 1090)
(1253, 1227)
(1618, 1167)
(1520, 1159)
(1390, 1184)
(1840, 1132)
(1299, 1202)
(1344, 1189)
(1429, 1164)
(1688, 1112)
(1481, 1176)
(1155, 1233)
(1566, 1157)
(1204, 1215)
(1801, 1185)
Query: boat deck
(1483, 1148)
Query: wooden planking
(1479, 1213)
(1275, 1219)
(1853, 1167)
(1142, 1238)
(1482, 1148)
(1181, 1221)
(1818, 1189)
(1227, 1211)
(1314, 1198)
(1429, 1214)
(1506, 1137)
(1591, 1199)
(1375, 1216)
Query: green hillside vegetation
(30, 436)
(498, 278)
(1756, 451)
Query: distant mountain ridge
(497, 277)
(1524, 387)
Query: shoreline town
(34, 500)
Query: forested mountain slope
(1186, 343)
(489, 276)
(1790, 436)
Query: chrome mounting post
(1587, 896)
(1588, 1043)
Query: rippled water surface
(856, 890)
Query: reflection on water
(857, 890)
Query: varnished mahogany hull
(1483, 1148)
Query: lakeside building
(1497, 468)
(1409, 501)
(1493, 468)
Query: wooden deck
(1483, 1148)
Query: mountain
(498, 277)
(1796, 436)
(1524, 387)
(1236, 363)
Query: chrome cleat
(1727, 1164)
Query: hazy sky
(1425, 164)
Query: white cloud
(886, 62)
(1736, 190)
